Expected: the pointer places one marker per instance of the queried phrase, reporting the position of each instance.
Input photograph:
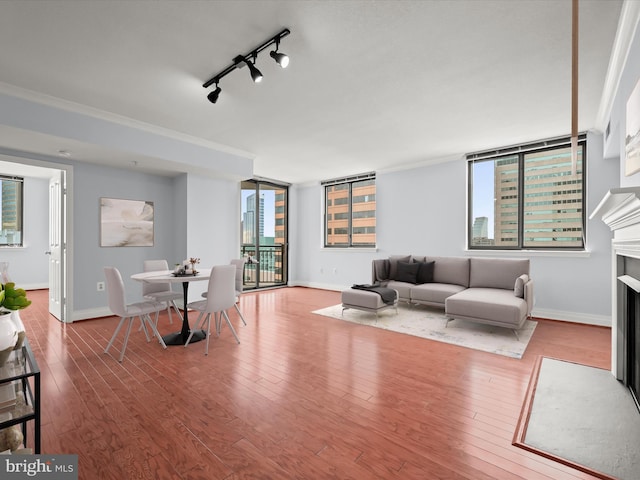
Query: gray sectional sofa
(495, 291)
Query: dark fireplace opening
(628, 326)
(632, 375)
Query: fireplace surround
(620, 210)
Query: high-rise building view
(249, 219)
(481, 231)
(549, 205)
(363, 214)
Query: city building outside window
(11, 208)
(528, 197)
(350, 211)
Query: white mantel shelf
(619, 208)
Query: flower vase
(8, 337)
(17, 321)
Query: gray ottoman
(366, 301)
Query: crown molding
(627, 27)
(58, 103)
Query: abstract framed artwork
(126, 223)
(632, 134)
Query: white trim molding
(627, 26)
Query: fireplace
(620, 210)
(628, 326)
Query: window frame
(348, 184)
(521, 151)
(20, 211)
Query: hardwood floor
(303, 396)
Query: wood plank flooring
(302, 397)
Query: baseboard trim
(91, 313)
(574, 317)
(34, 286)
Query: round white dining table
(164, 276)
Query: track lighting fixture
(213, 95)
(250, 61)
(256, 75)
(280, 58)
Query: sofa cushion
(518, 288)
(379, 270)
(453, 270)
(393, 264)
(407, 272)
(490, 305)
(403, 288)
(434, 292)
(425, 272)
(496, 272)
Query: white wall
(28, 266)
(422, 211)
(213, 219)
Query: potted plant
(12, 332)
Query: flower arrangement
(12, 330)
(194, 261)
(12, 298)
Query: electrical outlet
(100, 287)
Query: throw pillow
(425, 272)
(393, 264)
(518, 289)
(407, 272)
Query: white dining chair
(239, 264)
(118, 305)
(239, 284)
(221, 296)
(161, 292)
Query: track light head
(256, 75)
(213, 95)
(280, 58)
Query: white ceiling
(372, 84)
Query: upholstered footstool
(366, 301)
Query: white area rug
(427, 322)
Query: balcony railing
(265, 270)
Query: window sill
(349, 249)
(529, 253)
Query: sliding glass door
(263, 230)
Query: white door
(57, 245)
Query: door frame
(285, 256)
(67, 280)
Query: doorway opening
(55, 262)
(263, 232)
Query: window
(350, 211)
(527, 197)
(11, 207)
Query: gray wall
(91, 182)
(423, 211)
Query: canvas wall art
(632, 137)
(126, 223)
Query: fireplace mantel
(619, 208)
